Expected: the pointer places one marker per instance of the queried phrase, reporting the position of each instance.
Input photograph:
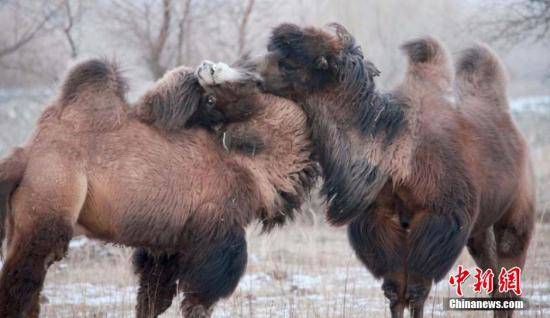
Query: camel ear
(285, 37)
(372, 69)
(321, 63)
(343, 34)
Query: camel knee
(195, 307)
(416, 293)
(44, 241)
(512, 241)
(417, 290)
(50, 239)
(394, 288)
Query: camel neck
(352, 181)
(371, 116)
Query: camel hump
(96, 76)
(428, 59)
(479, 72)
(424, 50)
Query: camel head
(304, 60)
(228, 91)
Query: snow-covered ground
(539, 104)
(297, 271)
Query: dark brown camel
(416, 173)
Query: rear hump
(480, 74)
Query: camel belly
(150, 210)
(96, 221)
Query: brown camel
(151, 177)
(416, 173)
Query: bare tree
(149, 28)
(242, 27)
(35, 26)
(33, 50)
(70, 14)
(523, 19)
(157, 44)
(184, 30)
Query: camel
(416, 173)
(154, 176)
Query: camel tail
(12, 169)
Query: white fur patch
(210, 73)
(451, 99)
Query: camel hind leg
(379, 243)
(513, 233)
(482, 248)
(44, 210)
(30, 253)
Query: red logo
(508, 280)
(484, 281)
(458, 279)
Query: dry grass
(298, 271)
(306, 269)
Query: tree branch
(158, 45)
(28, 35)
(68, 27)
(525, 19)
(184, 29)
(242, 27)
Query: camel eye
(287, 67)
(210, 101)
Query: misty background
(39, 39)
(307, 268)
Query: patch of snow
(539, 104)
(17, 93)
(89, 294)
(253, 258)
(254, 282)
(539, 298)
(79, 242)
(305, 281)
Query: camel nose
(207, 66)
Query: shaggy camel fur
(416, 173)
(149, 177)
